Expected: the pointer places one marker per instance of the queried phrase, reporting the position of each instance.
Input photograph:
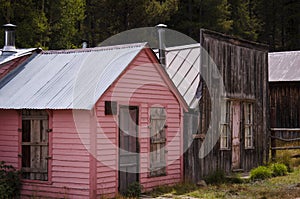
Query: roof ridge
(183, 47)
(95, 49)
(283, 52)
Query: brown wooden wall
(284, 116)
(285, 104)
(243, 66)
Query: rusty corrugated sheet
(284, 66)
(66, 79)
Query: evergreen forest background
(62, 24)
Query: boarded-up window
(35, 145)
(225, 124)
(248, 124)
(157, 142)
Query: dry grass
(279, 187)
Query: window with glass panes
(225, 124)
(248, 124)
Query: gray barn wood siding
(285, 104)
(244, 68)
(284, 116)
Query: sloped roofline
(7, 89)
(163, 73)
(233, 40)
(19, 53)
(95, 49)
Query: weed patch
(10, 182)
(217, 177)
(134, 190)
(260, 173)
(278, 169)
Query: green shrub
(278, 169)
(260, 173)
(10, 182)
(217, 177)
(134, 190)
(285, 158)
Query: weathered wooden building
(89, 122)
(284, 84)
(238, 125)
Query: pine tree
(245, 21)
(281, 28)
(196, 14)
(66, 17)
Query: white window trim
(248, 124)
(225, 145)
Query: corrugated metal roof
(8, 56)
(183, 67)
(66, 79)
(284, 66)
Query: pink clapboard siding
(9, 137)
(140, 85)
(84, 155)
(70, 162)
(69, 166)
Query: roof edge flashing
(95, 49)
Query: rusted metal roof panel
(66, 79)
(284, 66)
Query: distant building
(284, 83)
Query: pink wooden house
(89, 122)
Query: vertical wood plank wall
(285, 113)
(285, 104)
(243, 66)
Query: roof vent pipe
(85, 43)
(162, 45)
(9, 44)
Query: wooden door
(128, 147)
(236, 145)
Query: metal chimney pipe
(9, 44)
(85, 43)
(162, 45)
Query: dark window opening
(157, 142)
(35, 145)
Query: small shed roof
(284, 66)
(65, 79)
(9, 56)
(183, 67)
